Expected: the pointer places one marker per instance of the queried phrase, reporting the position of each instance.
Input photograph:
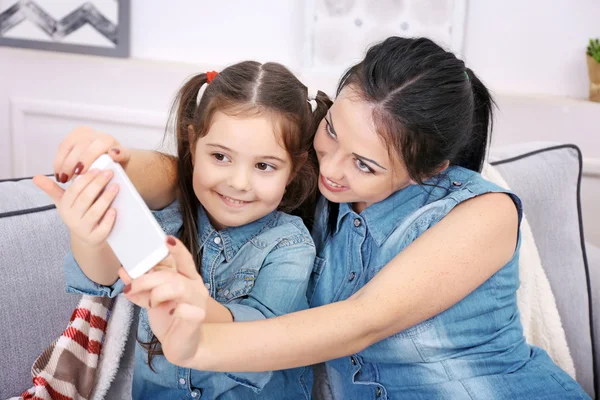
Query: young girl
(413, 292)
(244, 141)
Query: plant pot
(594, 73)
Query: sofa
(35, 309)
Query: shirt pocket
(318, 266)
(237, 285)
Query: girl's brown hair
(248, 88)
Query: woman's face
(355, 164)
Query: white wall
(532, 46)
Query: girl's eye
(265, 167)
(363, 167)
(221, 157)
(330, 131)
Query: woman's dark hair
(428, 107)
(248, 89)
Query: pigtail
(183, 111)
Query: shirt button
(457, 183)
(352, 276)
(182, 381)
(352, 360)
(194, 394)
(357, 222)
(378, 391)
(207, 285)
(217, 240)
(226, 292)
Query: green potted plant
(593, 61)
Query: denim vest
(259, 270)
(473, 350)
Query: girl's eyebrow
(227, 149)
(220, 146)
(362, 158)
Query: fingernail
(171, 241)
(78, 168)
(127, 288)
(172, 311)
(64, 178)
(116, 151)
(107, 173)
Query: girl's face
(354, 162)
(241, 169)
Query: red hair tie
(210, 75)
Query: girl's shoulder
(169, 218)
(284, 230)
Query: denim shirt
(259, 270)
(473, 350)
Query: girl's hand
(85, 206)
(176, 299)
(81, 148)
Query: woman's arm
(154, 175)
(432, 274)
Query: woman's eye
(265, 167)
(220, 157)
(363, 167)
(329, 130)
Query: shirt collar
(384, 216)
(233, 238)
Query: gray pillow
(547, 179)
(35, 309)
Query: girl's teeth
(234, 201)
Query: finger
(120, 154)
(101, 145)
(49, 187)
(78, 186)
(125, 276)
(99, 208)
(63, 151)
(101, 231)
(148, 282)
(90, 193)
(169, 291)
(189, 312)
(71, 164)
(183, 258)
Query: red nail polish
(78, 168)
(172, 311)
(171, 241)
(116, 151)
(127, 288)
(64, 178)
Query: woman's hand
(81, 148)
(176, 299)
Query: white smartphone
(137, 239)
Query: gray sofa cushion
(35, 308)
(547, 180)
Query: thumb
(184, 262)
(120, 154)
(49, 187)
